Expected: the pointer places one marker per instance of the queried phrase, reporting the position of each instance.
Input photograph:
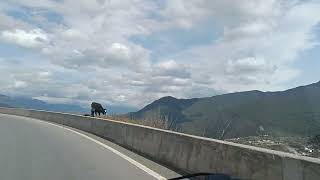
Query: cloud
(32, 39)
(170, 68)
(259, 41)
(84, 51)
(248, 65)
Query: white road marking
(132, 161)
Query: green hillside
(294, 112)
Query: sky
(131, 52)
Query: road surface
(36, 150)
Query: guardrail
(186, 152)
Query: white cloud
(248, 65)
(259, 41)
(30, 39)
(20, 84)
(170, 68)
(90, 54)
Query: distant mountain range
(294, 112)
(30, 103)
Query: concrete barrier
(189, 153)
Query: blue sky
(132, 52)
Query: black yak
(96, 108)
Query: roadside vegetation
(145, 122)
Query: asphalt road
(35, 150)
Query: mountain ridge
(294, 112)
(31, 103)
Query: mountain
(29, 103)
(2, 97)
(4, 105)
(294, 112)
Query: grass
(146, 122)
